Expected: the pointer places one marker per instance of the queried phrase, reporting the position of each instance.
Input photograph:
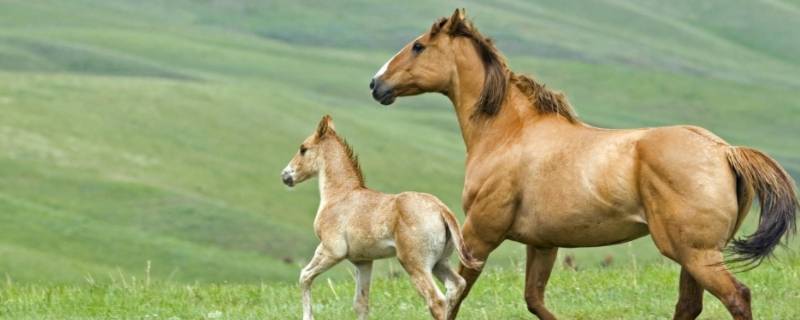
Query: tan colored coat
(538, 175)
(362, 225)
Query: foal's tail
(452, 227)
(757, 173)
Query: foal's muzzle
(381, 92)
(287, 178)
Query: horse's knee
(744, 291)
(534, 306)
(540, 311)
(688, 309)
(438, 306)
(534, 303)
(740, 306)
(459, 283)
(305, 279)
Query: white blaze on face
(288, 170)
(385, 66)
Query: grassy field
(628, 291)
(136, 131)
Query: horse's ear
(331, 127)
(457, 19)
(325, 125)
(458, 15)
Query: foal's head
(307, 161)
(428, 64)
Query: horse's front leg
(361, 300)
(322, 261)
(488, 221)
(539, 264)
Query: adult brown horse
(537, 175)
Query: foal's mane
(499, 76)
(352, 157)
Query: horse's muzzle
(381, 92)
(287, 179)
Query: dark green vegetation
(155, 131)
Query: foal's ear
(325, 125)
(457, 19)
(458, 15)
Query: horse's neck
(475, 128)
(337, 176)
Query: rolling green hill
(155, 130)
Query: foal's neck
(338, 174)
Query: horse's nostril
(287, 179)
(372, 84)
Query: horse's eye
(303, 150)
(417, 47)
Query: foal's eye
(417, 47)
(303, 150)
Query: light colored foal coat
(362, 225)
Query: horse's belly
(578, 230)
(371, 250)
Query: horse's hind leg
(539, 264)
(690, 299)
(703, 268)
(692, 210)
(692, 241)
(363, 278)
(695, 241)
(422, 278)
(453, 283)
(416, 253)
(706, 267)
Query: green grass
(622, 292)
(135, 131)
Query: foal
(362, 225)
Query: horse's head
(307, 161)
(427, 64)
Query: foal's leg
(539, 264)
(453, 283)
(422, 278)
(321, 262)
(361, 300)
(690, 300)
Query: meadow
(153, 132)
(628, 291)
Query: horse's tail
(455, 233)
(757, 173)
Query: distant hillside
(155, 131)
